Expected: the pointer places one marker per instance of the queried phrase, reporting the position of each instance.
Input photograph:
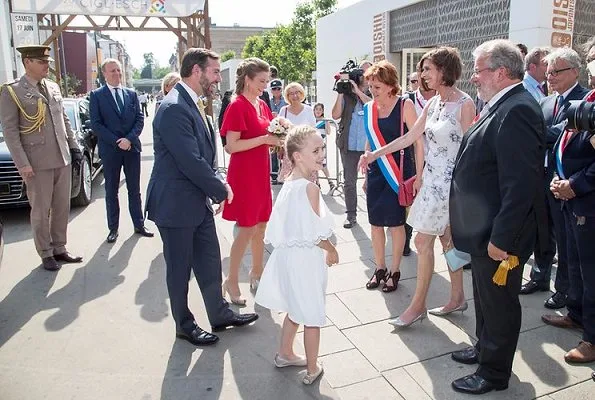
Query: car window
(69, 107)
(1, 130)
(84, 110)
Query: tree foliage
(151, 68)
(292, 48)
(228, 55)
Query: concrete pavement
(102, 329)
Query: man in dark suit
(117, 121)
(574, 185)
(563, 72)
(495, 198)
(182, 185)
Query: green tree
(72, 83)
(147, 68)
(160, 72)
(292, 47)
(228, 55)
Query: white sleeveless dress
(429, 212)
(295, 276)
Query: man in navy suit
(182, 185)
(496, 198)
(563, 72)
(117, 121)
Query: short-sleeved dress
(305, 117)
(429, 212)
(382, 201)
(295, 276)
(248, 171)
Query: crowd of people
(495, 180)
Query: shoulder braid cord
(37, 120)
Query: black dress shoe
(198, 337)
(113, 235)
(68, 258)
(532, 287)
(476, 384)
(466, 356)
(50, 264)
(558, 300)
(349, 223)
(236, 320)
(143, 232)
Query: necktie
(201, 109)
(42, 90)
(119, 100)
(559, 101)
(543, 88)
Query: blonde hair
(169, 80)
(296, 139)
(294, 85)
(248, 69)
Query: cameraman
(351, 138)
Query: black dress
(383, 203)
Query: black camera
(350, 71)
(580, 115)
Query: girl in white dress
(295, 276)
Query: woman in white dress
(294, 280)
(446, 117)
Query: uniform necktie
(119, 100)
(42, 90)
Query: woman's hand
(272, 140)
(365, 160)
(417, 185)
(332, 257)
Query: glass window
(69, 107)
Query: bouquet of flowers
(279, 127)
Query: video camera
(350, 71)
(580, 115)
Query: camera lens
(581, 116)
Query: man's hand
(26, 172)
(496, 254)
(562, 190)
(229, 199)
(124, 144)
(76, 155)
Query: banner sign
(24, 32)
(562, 18)
(130, 8)
(379, 36)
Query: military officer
(42, 144)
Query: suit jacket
(556, 123)
(183, 175)
(110, 125)
(496, 190)
(32, 149)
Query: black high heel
(380, 275)
(395, 280)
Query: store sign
(562, 18)
(131, 8)
(379, 37)
(24, 32)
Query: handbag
(405, 194)
(456, 259)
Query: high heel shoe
(398, 322)
(237, 300)
(439, 311)
(394, 278)
(380, 275)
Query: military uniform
(39, 135)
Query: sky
(265, 13)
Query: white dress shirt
(112, 90)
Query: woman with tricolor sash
(445, 119)
(385, 119)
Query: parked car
(12, 188)
(1, 242)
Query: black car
(1, 242)
(12, 188)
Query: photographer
(574, 186)
(351, 138)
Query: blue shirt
(275, 108)
(357, 133)
(533, 87)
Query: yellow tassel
(502, 273)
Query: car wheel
(84, 196)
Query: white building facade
(401, 31)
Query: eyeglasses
(413, 80)
(556, 72)
(479, 71)
(276, 88)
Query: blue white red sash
(387, 163)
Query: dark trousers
(350, 159)
(408, 233)
(581, 272)
(274, 166)
(144, 109)
(113, 162)
(497, 316)
(196, 249)
(554, 226)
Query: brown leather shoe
(50, 264)
(68, 258)
(583, 353)
(560, 321)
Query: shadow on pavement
(152, 292)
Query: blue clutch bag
(456, 259)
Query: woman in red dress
(244, 127)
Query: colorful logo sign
(157, 7)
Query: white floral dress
(429, 212)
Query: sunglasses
(276, 88)
(413, 80)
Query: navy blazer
(183, 174)
(497, 191)
(109, 125)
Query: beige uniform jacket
(33, 149)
